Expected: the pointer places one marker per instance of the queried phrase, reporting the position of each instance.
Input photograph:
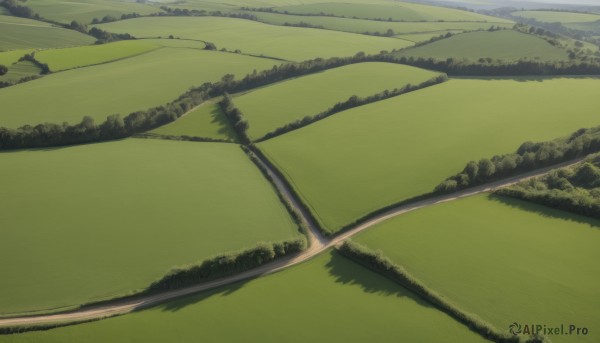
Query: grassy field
(365, 158)
(503, 259)
(290, 43)
(113, 217)
(151, 79)
(20, 70)
(396, 11)
(274, 106)
(84, 11)
(370, 306)
(425, 36)
(558, 17)
(503, 44)
(591, 26)
(62, 59)
(21, 33)
(372, 26)
(206, 121)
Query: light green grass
(290, 43)
(363, 159)
(558, 17)
(69, 58)
(372, 26)
(207, 121)
(20, 70)
(503, 44)
(21, 33)
(395, 10)
(505, 260)
(424, 37)
(132, 84)
(296, 305)
(269, 108)
(84, 11)
(95, 221)
(9, 57)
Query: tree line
(353, 101)
(384, 266)
(236, 118)
(529, 156)
(574, 189)
(227, 264)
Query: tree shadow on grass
(544, 211)
(349, 272)
(219, 119)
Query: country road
(318, 244)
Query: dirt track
(318, 244)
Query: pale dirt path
(318, 244)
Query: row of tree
(227, 264)
(529, 156)
(19, 10)
(575, 189)
(236, 118)
(353, 101)
(383, 265)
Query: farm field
(502, 44)
(370, 305)
(502, 259)
(403, 147)
(22, 33)
(558, 17)
(271, 107)
(70, 95)
(207, 121)
(62, 59)
(20, 70)
(288, 43)
(99, 235)
(399, 11)
(84, 11)
(373, 26)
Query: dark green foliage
(574, 189)
(31, 58)
(21, 80)
(3, 69)
(227, 264)
(210, 46)
(235, 116)
(105, 37)
(19, 10)
(383, 265)
(180, 138)
(352, 102)
(529, 156)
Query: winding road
(318, 244)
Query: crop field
(502, 44)
(100, 235)
(369, 305)
(476, 251)
(20, 70)
(84, 11)
(289, 43)
(363, 159)
(396, 11)
(425, 36)
(374, 26)
(558, 17)
(206, 121)
(62, 59)
(307, 96)
(22, 33)
(70, 95)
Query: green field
(558, 17)
(363, 159)
(296, 305)
(591, 27)
(113, 217)
(62, 59)
(372, 26)
(271, 107)
(290, 43)
(503, 44)
(21, 33)
(84, 11)
(425, 36)
(392, 10)
(207, 121)
(503, 260)
(20, 70)
(151, 79)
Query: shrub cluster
(383, 265)
(227, 264)
(529, 156)
(575, 189)
(31, 58)
(19, 10)
(353, 101)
